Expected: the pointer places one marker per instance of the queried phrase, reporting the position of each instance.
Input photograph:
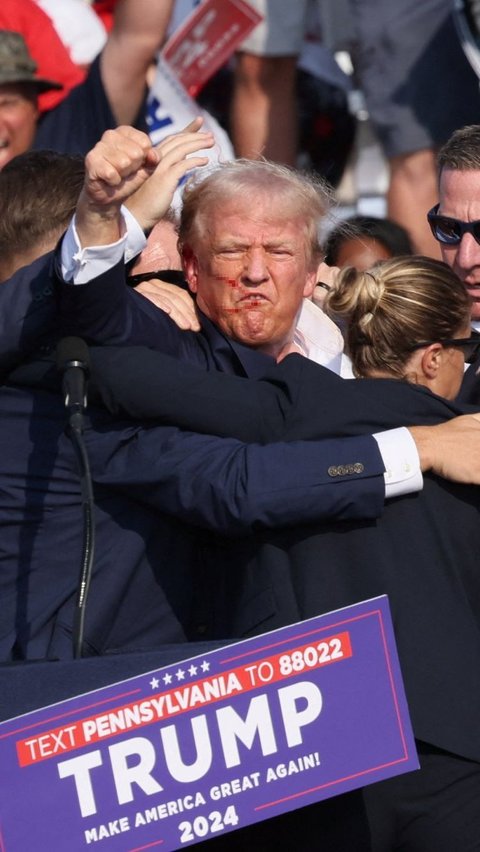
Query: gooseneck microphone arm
(73, 363)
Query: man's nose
(255, 267)
(468, 252)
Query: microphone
(73, 360)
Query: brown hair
(290, 193)
(462, 150)
(38, 195)
(394, 306)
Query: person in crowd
(31, 223)
(453, 222)
(112, 94)
(38, 194)
(400, 57)
(45, 46)
(296, 267)
(157, 273)
(362, 240)
(79, 27)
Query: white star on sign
(205, 666)
(192, 670)
(154, 683)
(167, 678)
(180, 674)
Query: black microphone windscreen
(72, 349)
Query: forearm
(451, 449)
(138, 32)
(144, 384)
(232, 488)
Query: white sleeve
(80, 265)
(403, 474)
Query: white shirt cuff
(403, 474)
(80, 265)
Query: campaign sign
(207, 746)
(204, 42)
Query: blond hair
(393, 307)
(290, 193)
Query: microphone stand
(73, 361)
(76, 435)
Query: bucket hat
(16, 64)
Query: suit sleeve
(144, 384)
(234, 488)
(106, 310)
(28, 311)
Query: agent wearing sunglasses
(455, 220)
(455, 223)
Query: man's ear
(190, 268)
(310, 285)
(432, 359)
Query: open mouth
(251, 298)
(473, 290)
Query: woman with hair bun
(405, 318)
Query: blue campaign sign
(211, 744)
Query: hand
(175, 301)
(155, 196)
(326, 277)
(117, 166)
(451, 449)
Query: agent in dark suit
(136, 601)
(409, 320)
(454, 222)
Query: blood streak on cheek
(231, 282)
(236, 285)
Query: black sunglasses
(450, 231)
(469, 345)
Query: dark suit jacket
(470, 390)
(157, 492)
(423, 551)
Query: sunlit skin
(459, 195)
(250, 272)
(361, 252)
(436, 367)
(18, 120)
(161, 250)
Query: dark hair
(397, 304)
(38, 195)
(392, 236)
